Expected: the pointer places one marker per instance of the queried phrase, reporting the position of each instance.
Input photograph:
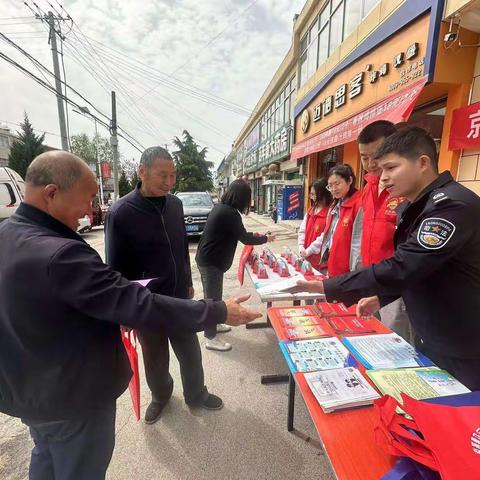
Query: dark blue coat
(61, 353)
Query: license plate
(192, 228)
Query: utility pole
(114, 144)
(58, 84)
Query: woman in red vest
(337, 236)
(314, 222)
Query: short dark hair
(375, 131)
(323, 195)
(154, 153)
(345, 171)
(238, 195)
(56, 167)
(410, 143)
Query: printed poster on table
(418, 383)
(385, 351)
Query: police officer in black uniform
(436, 265)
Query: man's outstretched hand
(368, 306)
(238, 315)
(314, 286)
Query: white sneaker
(222, 328)
(216, 344)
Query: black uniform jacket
(61, 353)
(435, 268)
(144, 241)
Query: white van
(12, 190)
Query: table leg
(276, 378)
(291, 402)
(266, 324)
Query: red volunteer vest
(315, 226)
(339, 259)
(379, 220)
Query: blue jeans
(79, 449)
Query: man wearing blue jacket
(145, 237)
(62, 362)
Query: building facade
(361, 61)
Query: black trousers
(156, 359)
(78, 449)
(212, 282)
(465, 370)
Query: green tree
(193, 170)
(134, 179)
(25, 148)
(89, 148)
(123, 184)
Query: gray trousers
(212, 282)
(395, 316)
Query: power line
(48, 87)
(35, 129)
(212, 40)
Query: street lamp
(86, 113)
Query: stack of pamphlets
(318, 354)
(418, 383)
(301, 332)
(340, 389)
(385, 351)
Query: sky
(152, 53)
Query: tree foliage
(88, 148)
(193, 170)
(25, 148)
(124, 186)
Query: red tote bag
(452, 434)
(129, 338)
(246, 252)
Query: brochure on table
(340, 389)
(316, 354)
(383, 351)
(418, 383)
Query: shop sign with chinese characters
(275, 148)
(465, 131)
(403, 62)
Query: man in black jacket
(62, 362)
(436, 265)
(145, 237)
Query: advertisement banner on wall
(290, 205)
(465, 131)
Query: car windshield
(196, 200)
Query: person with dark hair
(375, 225)
(145, 237)
(216, 249)
(334, 249)
(436, 264)
(313, 224)
(62, 361)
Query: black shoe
(212, 402)
(154, 410)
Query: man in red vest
(374, 227)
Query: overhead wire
(69, 100)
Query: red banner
(396, 108)
(106, 170)
(465, 131)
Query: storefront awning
(396, 108)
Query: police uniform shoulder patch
(438, 197)
(434, 233)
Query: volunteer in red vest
(337, 236)
(313, 225)
(377, 220)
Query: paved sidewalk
(292, 225)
